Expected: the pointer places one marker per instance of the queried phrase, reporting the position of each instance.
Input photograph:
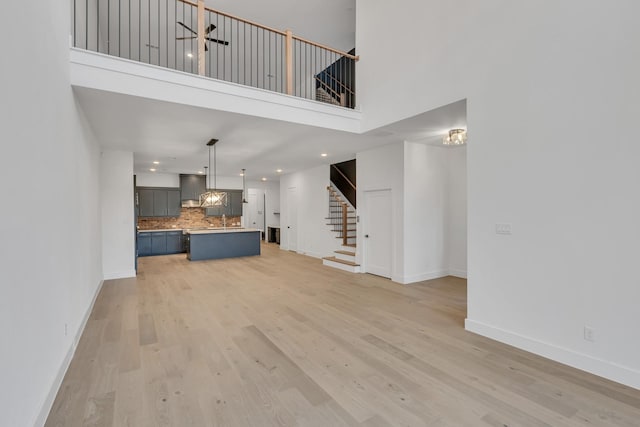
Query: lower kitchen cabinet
(144, 244)
(160, 243)
(174, 242)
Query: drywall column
(118, 227)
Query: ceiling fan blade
(209, 29)
(206, 49)
(180, 23)
(186, 38)
(218, 41)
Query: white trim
(120, 275)
(57, 382)
(405, 280)
(612, 371)
(458, 273)
(119, 75)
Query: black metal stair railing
(187, 36)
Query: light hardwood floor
(280, 340)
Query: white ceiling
(176, 136)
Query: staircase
(342, 220)
(324, 96)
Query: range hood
(191, 186)
(190, 203)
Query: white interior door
(292, 219)
(377, 232)
(252, 208)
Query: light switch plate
(503, 229)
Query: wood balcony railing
(188, 36)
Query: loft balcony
(189, 37)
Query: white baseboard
(119, 275)
(458, 273)
(612, 371)
(57, 382)
(405, 280)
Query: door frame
(365, 221)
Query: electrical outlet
(503, 229)
(589, 334)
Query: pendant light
(211, 197)
(244, 186)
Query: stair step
(351, 245)
(348, 223)
(348, 237)
(341, 261)
(346, 253)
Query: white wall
(118, 223)
(271, 192)
(172, 180)
(50, 259)
(546, 95)
(313, 239)
(169, 180)
(425, 212)
(456, 242)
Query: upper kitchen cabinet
(235, 202)
(173, 203)
(158, 202)
(192, 186)
(232, 208)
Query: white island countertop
(222, 230)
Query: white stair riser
(349, 268)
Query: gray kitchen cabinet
(144, 244)
(215, 211)
(173, 203)
(160, 207)
(158, 243)
(145, 202)
(233, 207)
(236, 203)
(158, 202)
(191, 186)
(174, 242)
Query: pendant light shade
(455, 137)
(211, 197)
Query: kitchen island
(222, 243)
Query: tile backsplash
(189, 218)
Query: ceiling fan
(206, 32)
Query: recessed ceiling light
(324, 154)
(156, 162)
(279, 170)
(200, 172)
(152, 169)
(264, 179)
(189, 55)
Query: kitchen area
(170, 219)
